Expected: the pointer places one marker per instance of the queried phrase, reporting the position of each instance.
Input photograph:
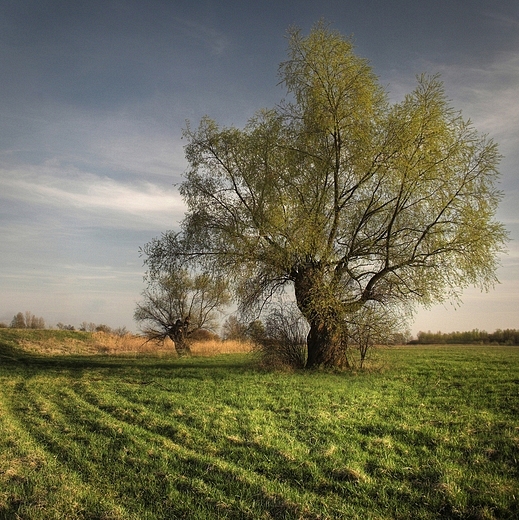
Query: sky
(94, 96)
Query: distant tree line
(92, 327)
(27, 320)
(472, 337)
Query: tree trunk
(324, 341)
(178, 334)
(181, 346)
(325, 347)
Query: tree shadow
(13, 357)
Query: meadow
(119, 432)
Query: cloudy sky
(94, 96)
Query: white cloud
(491, 94)
(487, 94)
(112, 201)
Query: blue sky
(94, 96)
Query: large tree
(345, 197)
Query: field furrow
(434, 434)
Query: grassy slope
(435, 434)
(40, 341)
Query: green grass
(434, 434)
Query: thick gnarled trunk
(181, 346)
(325, 343)
(325, 346)
(178, 334)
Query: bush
(203, 335)
(103, 328)
(284, 341)
(120, 331)
(234, 329)
(62, 326)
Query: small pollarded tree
(177, 302)
(341, 195)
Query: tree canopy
(352, 201)
(178, 302)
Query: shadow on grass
(14, 356)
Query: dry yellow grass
(129, 344)
(57, 346)
(212, 347)
(103, 343)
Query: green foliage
(341, 196)
(431, 436)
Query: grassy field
(430, 433)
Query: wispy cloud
(112, 202)
(487, 93)
(211, 38)
(140, 139)
(504, 20)
(490, 93)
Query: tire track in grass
(151, 472)
(183, 432)
(33, 483)
(297, 477)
